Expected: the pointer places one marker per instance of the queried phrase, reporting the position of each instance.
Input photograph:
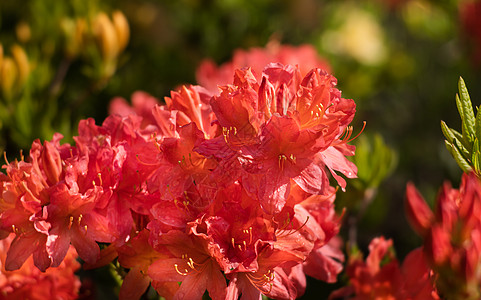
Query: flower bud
(437, 245)
(23, 66)
(52, 163)
(1, 55)
(121, 28)
(8, 76)
(418, 212)
(106, 36)
(74, 31)
(23, 32)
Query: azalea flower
(305, 57)
(284, 129)
(189, 262)
(452, 235)
(381, 277)
(28, 282)
(227, 194)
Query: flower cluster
(381, 276)
(304, 56)
(452, 236)
(227, 192)
(29, 282)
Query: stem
(354, 219)
(54, 88)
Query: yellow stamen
(181, 273)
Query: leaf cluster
(465, 146)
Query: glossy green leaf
(462, 162)
(477, 125)
(465, 108)
(476, 156)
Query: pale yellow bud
(1, 55)
(104, 32)
(74, 31)
(23, 32)
(122, 29)
(23, 66)
(8, 76)
(80, 31)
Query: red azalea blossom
(189, 262)
(284, 128)
(305, 56)
(225, 194)
(381, 277)
(29, 282)
(452, 235)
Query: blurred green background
(400, 60)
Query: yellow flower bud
(74, 31)
(8, 76)
(105, 33)
(1, 55)
(122, 29)
(23, 32)
(80, 31)
(23, 66)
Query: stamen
(293, 158)
(70, 222)
(363, 127)
(190, 263)
(177, 269)
(307, 219)
(282, 160)
(99, 175)
(142, 162)
(156, 142)
(5, 157)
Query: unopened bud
(106, 36)
(74, 31)
(8, 76)
(23, 32)
(80, 30)
(417, 210)
(1, 55)
(121, 28)
(52, 163)
(437, 245)
(23, 66)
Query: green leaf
(475, 156)
(462, 149)
(462, 162)
(465, 108)
(447, 132)
(477, 125)
(453, 134)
